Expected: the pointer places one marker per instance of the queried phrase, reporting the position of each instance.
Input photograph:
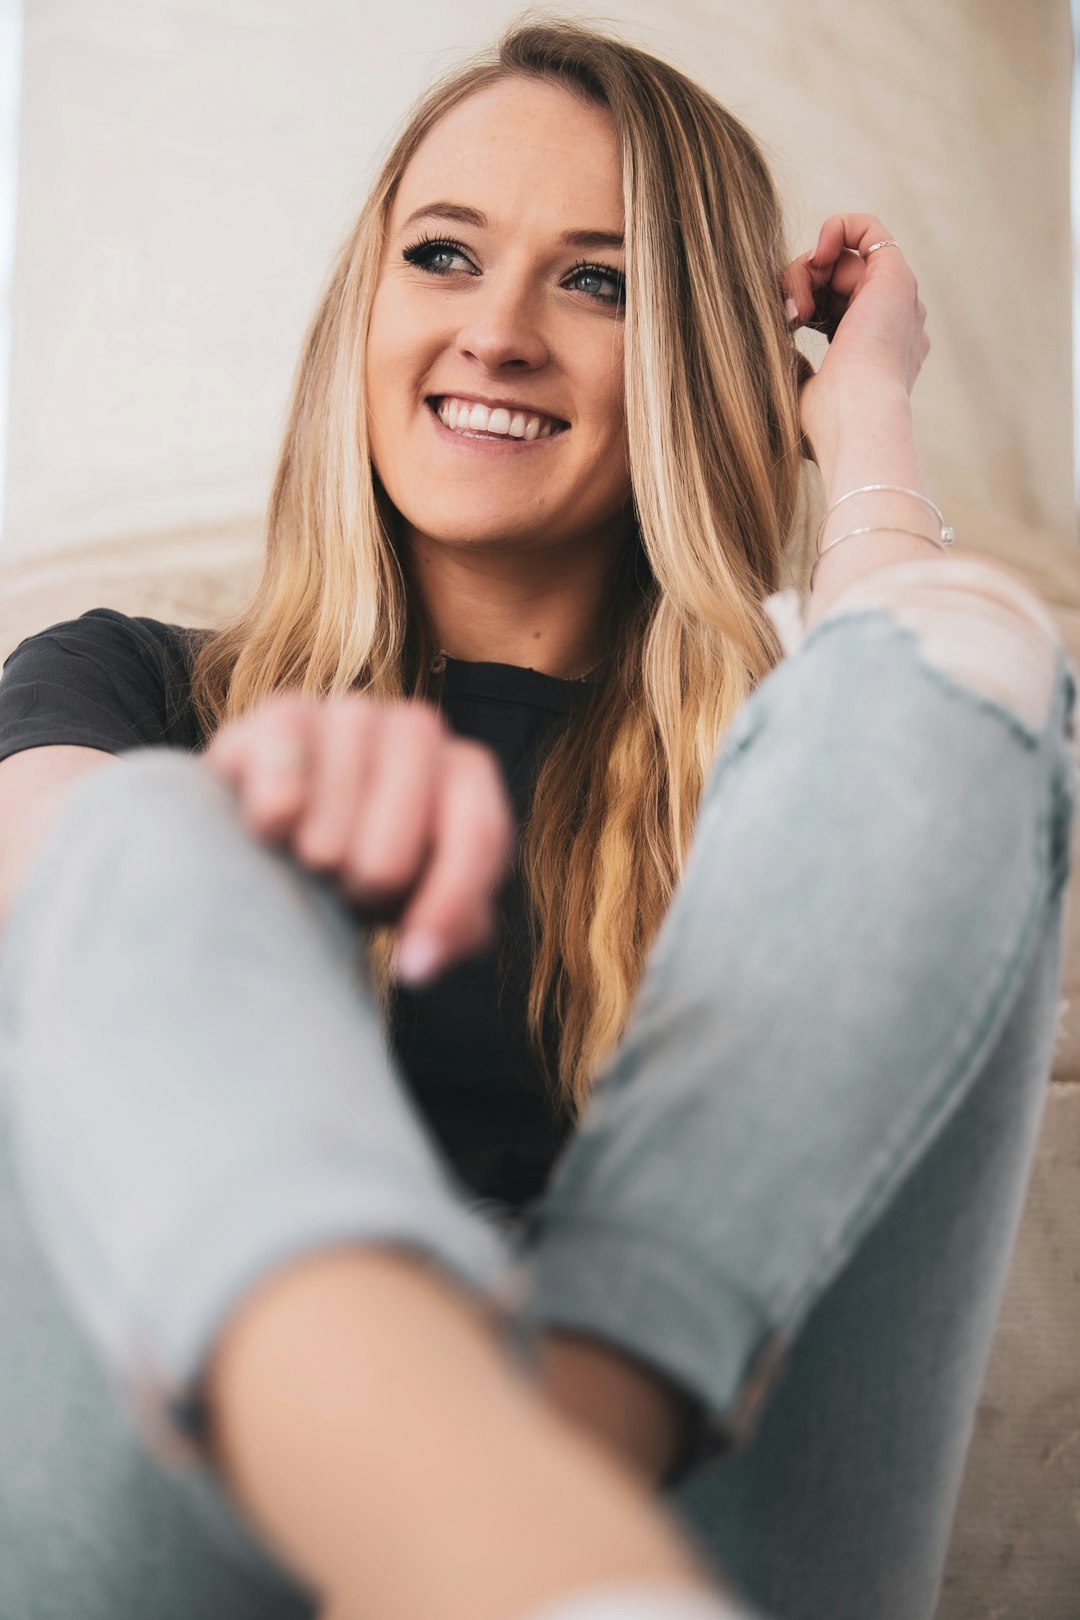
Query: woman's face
(495, 351)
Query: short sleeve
(104, 680)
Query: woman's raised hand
(414, 823)
(868, 306)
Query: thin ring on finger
(889, 242)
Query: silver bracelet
(880, 528)
(948, 535)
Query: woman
(799, 916)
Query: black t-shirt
(105, 680)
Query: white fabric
(785, 609)
(644, 1601)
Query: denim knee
(979, 625)
(986, 632)
(217, 1098)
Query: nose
(504, 329)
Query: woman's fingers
(414, 824)
(853, 233)
(345, 739)
(266, 757)
(823, 281)
(799, 287)
(393, 825)
(821, 292)
(452, 913)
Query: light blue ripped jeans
(795, 1190)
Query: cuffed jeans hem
(286, 1208)
(629, 1290)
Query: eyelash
(421, 253)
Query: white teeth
(463, 415)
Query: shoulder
(105, 631)
(121, 676)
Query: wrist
(871, 414)
(871, 442)
(876, 448)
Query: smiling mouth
(498, 422)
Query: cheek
(606, 384)
(397, 348)
(618, 454)
(614, 435)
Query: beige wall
(187, 169)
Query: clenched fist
(414, 823)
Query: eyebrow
(461, 215)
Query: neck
(536, 610)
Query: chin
(477, 529)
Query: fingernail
(792, 310)
(416, 959)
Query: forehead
(521, 151)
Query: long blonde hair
(712, 378)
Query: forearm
(869, 442)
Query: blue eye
(426, 254)
(597, 274)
